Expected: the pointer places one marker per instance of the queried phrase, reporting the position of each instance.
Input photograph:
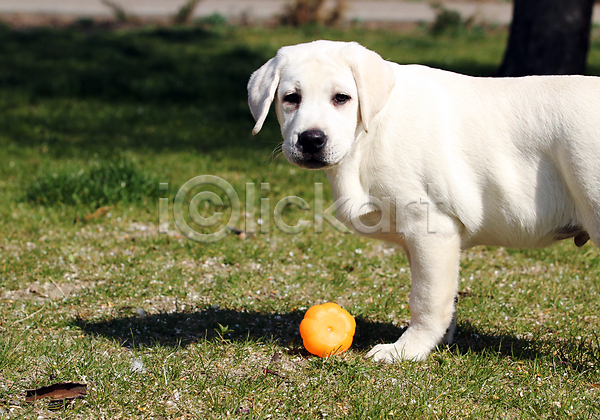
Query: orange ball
(327, 329)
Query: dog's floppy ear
(374, 80)
(261, 90)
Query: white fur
(437, 162)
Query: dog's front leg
(434, 261)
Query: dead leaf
(268, 371)
(57, 392)
(275, 359)
(100, 211)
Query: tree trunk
(548, 37)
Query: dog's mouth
(311, 162)
(306, 160)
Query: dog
(437, 162)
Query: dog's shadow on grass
(180, 329)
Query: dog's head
(324, 92)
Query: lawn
(99, 130)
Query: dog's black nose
(311, 141)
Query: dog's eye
(341, 99)
(292, 98)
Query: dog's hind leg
(449, 336)
(434, 262)
(587, 203)
(578, 164)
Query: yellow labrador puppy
(437, 162)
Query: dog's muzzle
(311, 143)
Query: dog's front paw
(390, 353)
(384, 353)
(412, 345)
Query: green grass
(162, 327)
(109, 181)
